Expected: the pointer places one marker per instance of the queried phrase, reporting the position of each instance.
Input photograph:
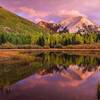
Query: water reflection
(51, 76)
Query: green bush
(58, 46)
(28, 47)
(8, 46)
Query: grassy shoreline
(89, 52)
(94, 46)
(50, 49)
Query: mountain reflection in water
(58, 76)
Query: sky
(53, 10)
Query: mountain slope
(72, 24)
(74, 20)
(75, 23)
(51, 26)
(10, 22)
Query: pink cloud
(32, 12)
(48, 8)
(70, 12)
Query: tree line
(50, 40)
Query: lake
(50, 76)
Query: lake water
(51, 76)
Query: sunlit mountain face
(54, 10)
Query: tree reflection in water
(72, 67)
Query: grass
(13, 57)
(30, 46)
(10, 22)
(84, 46)
(23, 57)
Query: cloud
(70, 12)
(32, 12)
(62, 14)
(38, 20)
(39, 9)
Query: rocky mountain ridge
(73, 25)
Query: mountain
(70, 21)
(72, 24)
(51, 26)
(10, 22)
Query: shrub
(8, 46)
(28, 47)
(58, 46)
